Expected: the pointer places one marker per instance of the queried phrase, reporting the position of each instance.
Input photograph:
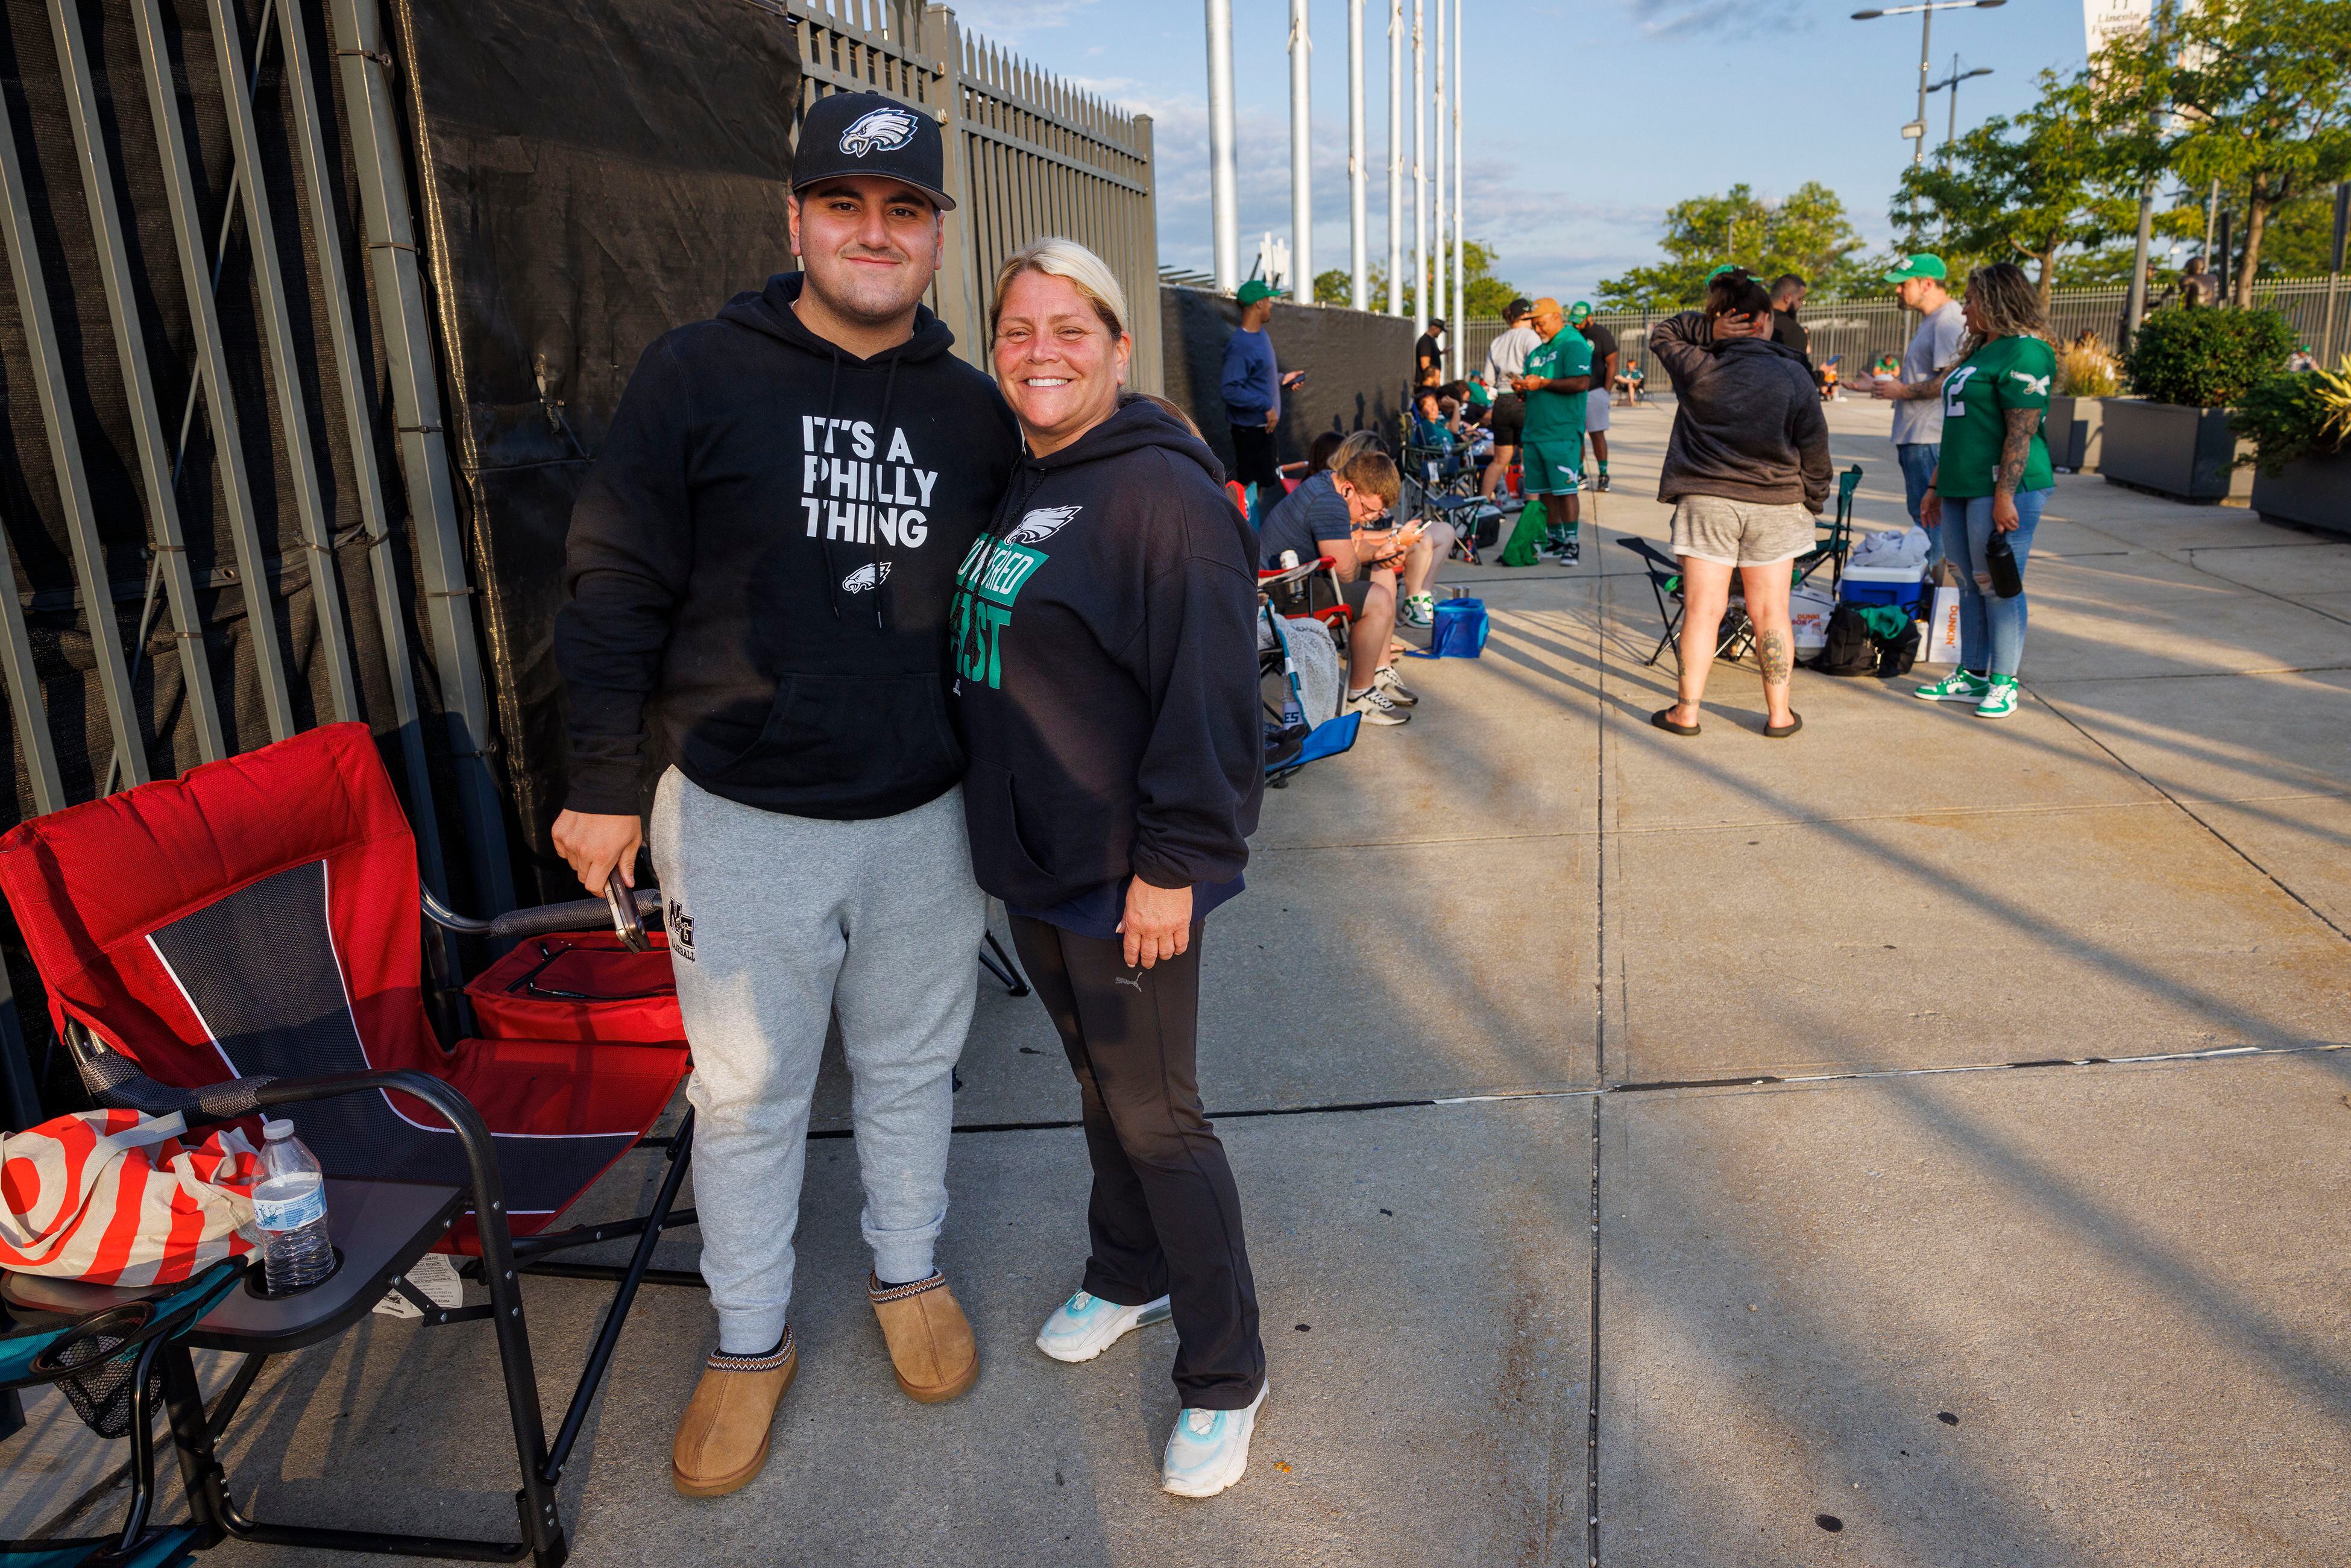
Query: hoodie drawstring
(831, 396)
(873, 537)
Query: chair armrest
(626, 908)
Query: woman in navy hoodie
(1105, 665)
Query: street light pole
(1224, 179)
(2135, 303)
(1301, 159)
(1359, 289)
(1915, 132)
(1951, 128)
(1396, 157)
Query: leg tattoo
(1772, 651)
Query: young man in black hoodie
(761, 568)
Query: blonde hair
(1364, 462)
(2008, 303)
(1065, 258)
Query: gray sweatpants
(776, 922)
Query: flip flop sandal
(1664, 722)
(1782, 731)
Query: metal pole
(1359, 287)
(1926, 35)
(138, 382)
(1396, 157)
(1223, 177)
(2134, 305)
(1301, 157)
(424, 446)
(1458, 339)
(2335, 269)
(55, 396)
(1436, 174)
(1420, 176)
(1951, 125)
(2225, 248)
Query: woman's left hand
(2004, 512)
(1158, 923)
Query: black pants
(1255, 461)
(1164, 1217)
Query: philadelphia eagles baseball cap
(1920, 265)
(1579, 313)
(880, 137)
(1255, 289)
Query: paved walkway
(1921, 1143)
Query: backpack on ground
(1852, 648)
(1895, 657)
(1527, 538)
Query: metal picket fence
(1856, 331)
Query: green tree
(1807, 233)
(2254, 93)
(2033, 187)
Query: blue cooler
(1900, 586)
(1460, 630)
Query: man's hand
(592, 844)
(1887, 391)
(1293, 377)
(1273, 418)
(1158, 923)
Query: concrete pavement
(1550, 1047)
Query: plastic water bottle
(289, 1206)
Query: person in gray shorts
(1747, 468)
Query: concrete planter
(2312, 492)
(2076, 433)
(2170, 449)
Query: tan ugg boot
(722, 1438)
(931, 1348)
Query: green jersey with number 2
(1557, 416)
(2005, 374)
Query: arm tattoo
(2016, 448)
(1920, 392)
(1772, 651)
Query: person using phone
(1341, 513)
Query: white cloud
(1002, 18)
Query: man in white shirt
(1922, 284)
(1506, 357)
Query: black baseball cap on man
(880, 137)
(1516, 309)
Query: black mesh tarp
(592, 176)
(1357, 366)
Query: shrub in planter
(2293, 416)
(2208, 357)
(2085, 370)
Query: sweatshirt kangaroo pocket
(1001, 856)
(853, 737)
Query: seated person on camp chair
(1341, 513)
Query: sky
(1581, 123)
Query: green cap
(1579, 313)
(1920, 265)
(1478, 396)
(1255, 289)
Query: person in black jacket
(1107, 674)
(1747, 468)
(760, 570)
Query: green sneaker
(2000, 701)
(1958, 686)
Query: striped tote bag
(113, 1197)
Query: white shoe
(1385, 679)
(1208, 1449)
(1376, 708)
(1085, 1326)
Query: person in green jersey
(1992, 476)
(1555, 380)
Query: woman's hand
(2004, 512)
(1158, 923)
(1930, 510)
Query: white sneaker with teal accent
(1418, 610)
(2000, 699)
(1085, 1326)
(1958, 686)
(1208, 1449)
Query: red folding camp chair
(246, 938)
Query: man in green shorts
(1555, 378)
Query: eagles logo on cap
(884, 128)
(866, 135)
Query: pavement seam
(2186, 557)
(2233, 847)
(1598, 1060)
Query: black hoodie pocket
(999, 859)
(844, 740)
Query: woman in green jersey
(1993, 477)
